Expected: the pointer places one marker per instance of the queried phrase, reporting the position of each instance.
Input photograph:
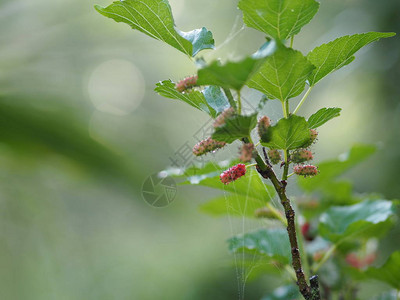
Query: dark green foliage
(287, 134)
(339, 222)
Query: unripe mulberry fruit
(314, 135)
(313, 138)
(274, 156)
(206, 146)
(263, 124)
(186, 83)
(305, 170)
(226, 114)
(233, 173)
(246, 152)
(301, 155)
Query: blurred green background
(81, 129)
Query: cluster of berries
(207, 145)
(233, 173)
(300, 156)
(274, 156)
(186, 83)
(305, 170)
(246, 152)
(313, 138)
(221, 119)
(210, 145)
(263, 124)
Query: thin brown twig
(310, 292)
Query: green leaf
(333, 194)
(200, 38)
(154, 18)
(256, 267)
(322, 116)
(199, 169)
(284, 293)
(330, 169)
(250, 185)
(234, 75)
(338, 193)
(287, 134)
(389, 272)
(282, 75)
(280, 19)
(338, 53)
(194, 98)
(273, 243)
(369, 218)
(233, 204)
(216, 98)
(236, 127)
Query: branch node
(295, 251)
(299, 271)
(289, 213)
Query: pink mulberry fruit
(263, 124)
(226, 114)
(207, 145)
(186, 83)
(233, 173)
(246, 152)
(305, 170)
(274, 156)
(301, 155)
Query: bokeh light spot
(116, 87)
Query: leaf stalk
(303, 99)
(230, 97)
